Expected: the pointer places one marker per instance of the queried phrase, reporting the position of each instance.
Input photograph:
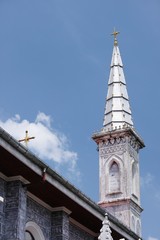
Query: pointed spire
(105, 230)
(117, 110)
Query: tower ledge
(120, 202)
(103, 135)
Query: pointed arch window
(134, 179)
(133, 223)
(138, 228)
(114, 178)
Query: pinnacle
(105, 232)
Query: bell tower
(119, 145)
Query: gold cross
(115, 33)
(26, 139)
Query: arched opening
(28, 235)
(138, 228)
(33, 232)
(134, 179)
(133, 224)
(114, 178)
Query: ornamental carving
(132, 152)
(118, 145)
(133, 142)
(112, 149)
(113, 141)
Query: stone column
(60, 224)
(15, 210)
(2, 206)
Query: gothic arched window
(114, 178)
(134, 179)
(133, 224)
(138, 228)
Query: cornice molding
(51, 209)
(14, 178)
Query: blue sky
(54, 67)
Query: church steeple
(119, 145)
(117, 110)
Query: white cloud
(49, 144)
(43, 118)
(147, 180)
(157, 195)
(152, 238)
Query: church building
(36, 203)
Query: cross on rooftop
(26, 139)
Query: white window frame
(35, 230)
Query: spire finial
(115, 33)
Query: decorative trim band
(42, 203)
(14, 178)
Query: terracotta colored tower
(119, 145)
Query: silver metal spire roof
(117, 110)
